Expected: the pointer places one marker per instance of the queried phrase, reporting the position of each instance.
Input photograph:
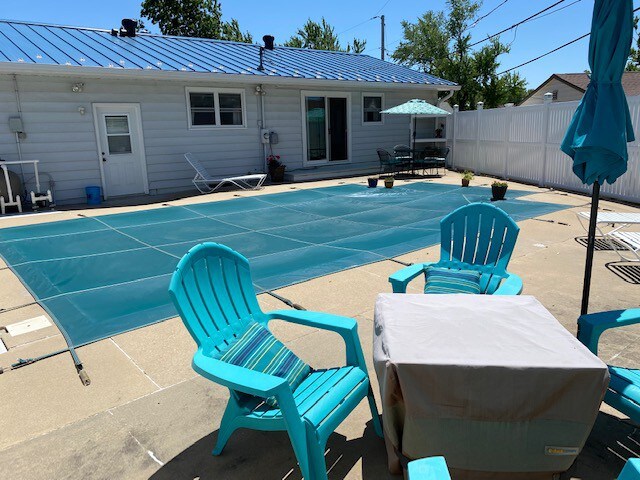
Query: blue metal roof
(43, 44)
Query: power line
(375, 15)
(551, 51)
(545, 54)
(487, 14)
(517, 24)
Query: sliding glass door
(326, 119)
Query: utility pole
(382, 37)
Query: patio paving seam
(135, 364)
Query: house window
(554, 95)
(215, 108)
(371, 108)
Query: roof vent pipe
(268, 42)
(128, 27)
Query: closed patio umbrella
(601, 126)
(415, 107)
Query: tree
(321, 36)
(633, 64)
(439, 44)
(192, 18)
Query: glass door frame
(326, 94)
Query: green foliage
(438, 44)
(497, 183)
(192, 18)
(322, 36)
(467, 175)
(633, 64)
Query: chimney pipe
(268, 42)
(128, 27)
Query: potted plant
(373, 182)
(276, 168)
(467, 176)
(388, 182)
(498, 190)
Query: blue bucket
(94, 195)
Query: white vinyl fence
(523, 143)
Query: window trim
(215, 92)
(382, 107)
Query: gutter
(274, 80)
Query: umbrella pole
(591, 240)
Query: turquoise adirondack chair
(214, 294)
(623, 392)
(478, 236)
(431, 468)
(435, 468)
(631, 470)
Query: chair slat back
(197, 166)
(214, 294)
(383, 155)
(479, 236)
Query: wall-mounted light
(81, 110)
(77, 87)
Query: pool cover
(100, 276)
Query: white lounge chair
(620, 239)
(203, 181)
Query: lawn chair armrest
(511, 285)
(591, 326)
(237, 378)
(431, 468)
(400, 279)
(325, 321)
(346, 327)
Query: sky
(352, 18)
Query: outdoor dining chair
(478, 237)
(270, 388)
(390, 163)
(623, 392)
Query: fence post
(476, 155)
(548, 98)
(456, 108)
(507, 136)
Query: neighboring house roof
(580, 81)
(37, 44)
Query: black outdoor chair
(432, 158)
(388, 163)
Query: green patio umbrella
(601, 126)
(415, 107)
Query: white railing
(523, 143)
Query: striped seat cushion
(257, 349)
(445, 280)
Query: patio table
(493, 383)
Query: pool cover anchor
(285, 300)
(23, 362)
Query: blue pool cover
(100, 276)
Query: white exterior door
(121, 149)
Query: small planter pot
(373, 182)
(498, 192)
(277, 173)
(388, 182)
(465, 182)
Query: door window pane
(371, 108)
(316, 128)
(119, 144)
(230, 108)
(202, 107)
(116, 124)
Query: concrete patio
(147, 414)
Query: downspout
(261, 124)
(446, 97)
(19, 108)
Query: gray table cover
(493, 383)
